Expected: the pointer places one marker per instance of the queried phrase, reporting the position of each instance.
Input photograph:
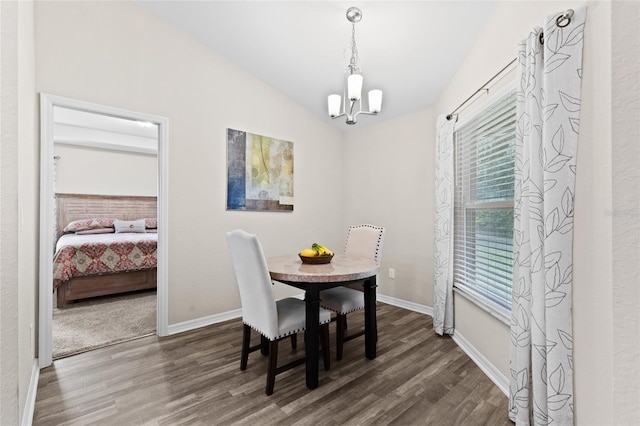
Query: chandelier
(351, 104)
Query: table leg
(370, 323)
(312, 300)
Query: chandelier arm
(352, 104)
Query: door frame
(45, 320)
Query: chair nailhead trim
(282, 335)
(380, 234)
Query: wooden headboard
(72, 207)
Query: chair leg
(273, 362)
(264, 345)
(294, 341)
(246, 340)
(324, 343)
(340, 330)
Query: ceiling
(409, 49)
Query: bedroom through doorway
(102, 234)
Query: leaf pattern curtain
(443, 250)
(548, 118)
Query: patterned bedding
(82, 255)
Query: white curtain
(443, 251)
(548, 118)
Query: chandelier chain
(353, 64)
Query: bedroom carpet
(102, 321)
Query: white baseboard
(204, 321)
(416, 307)
(30, 403)
(487, 368)
(237, 313)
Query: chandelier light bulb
(334, 102)
(375, 101)
(354, 87)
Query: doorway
(49, 105)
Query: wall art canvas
(259, 172)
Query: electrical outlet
(392, 273)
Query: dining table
(313, 278)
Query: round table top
(342, 268)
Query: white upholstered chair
(365, 241)
(274, 320)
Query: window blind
(483, 205)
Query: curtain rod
(562, 21)
(483, 87)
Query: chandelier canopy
(351, 104)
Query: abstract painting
(259, 172)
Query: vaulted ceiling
(409, 49)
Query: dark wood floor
(418, 378)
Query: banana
(321, 250)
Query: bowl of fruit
(316, 255)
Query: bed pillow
(86, 224)
(151, 222)
(96, 231)
(136, 226)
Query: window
(483, 205)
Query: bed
(91, 259)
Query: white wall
(84, 170)
(388, 181)
(625, 96)
(18, 209)
(28, 204)
(9, 332)
(118, 54)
